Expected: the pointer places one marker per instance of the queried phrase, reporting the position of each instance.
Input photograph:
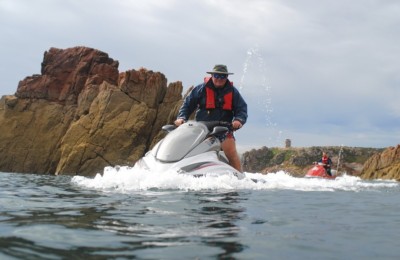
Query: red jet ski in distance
(318, 171)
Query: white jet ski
(192, 149)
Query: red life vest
(325, 160)
(210, 97)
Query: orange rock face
(385, 165)
(81, 115)
(65, 73)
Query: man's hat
(220, 69)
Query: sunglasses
(220, 76)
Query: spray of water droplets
(255, 62)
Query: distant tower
(288, 143)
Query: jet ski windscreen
(181, 141)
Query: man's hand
(236, 124)
(179, 121)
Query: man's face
(219, 80)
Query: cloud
(318, 72)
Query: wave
(124, 179)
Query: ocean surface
(123, 213)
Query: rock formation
(81, 115)
(384, 165)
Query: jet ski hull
(318, 171)
(190, 149)
(205, 164)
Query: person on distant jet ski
(216, 99)
(326, 162)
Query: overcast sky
(318, 72)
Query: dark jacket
(196, 100)
(327, 162)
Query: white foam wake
(128, 179)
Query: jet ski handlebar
(215, 127)
(168, 128)
(212, 124)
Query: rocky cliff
(80, 115)
(384, 165)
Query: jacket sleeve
(330, 162)
(240, 107)
(189, 104)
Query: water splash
(132, 180)
(340, 158)
(254, 63)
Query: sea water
(125, 213)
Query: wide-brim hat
(220, 69)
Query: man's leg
(229, 148)
(328, 171)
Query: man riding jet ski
(217, 99)
(322, 168)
